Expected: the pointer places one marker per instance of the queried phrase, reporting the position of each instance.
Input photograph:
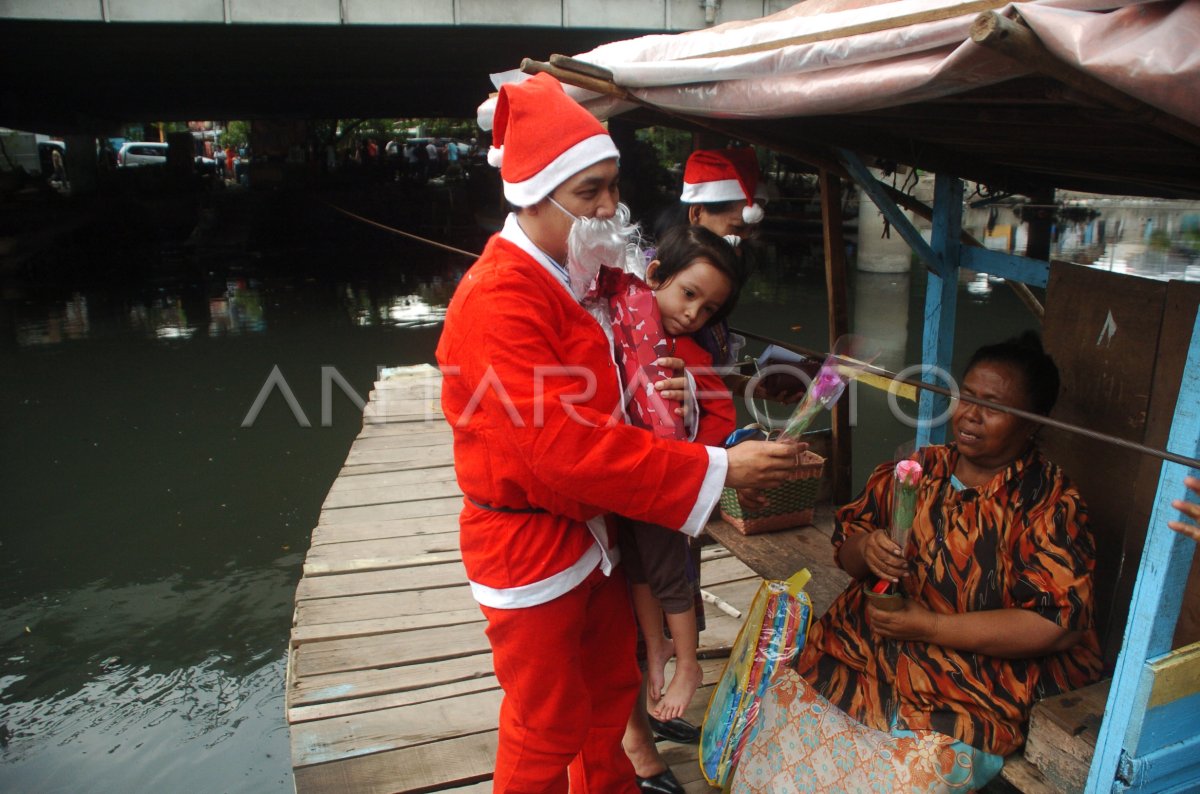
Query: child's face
(689, 299)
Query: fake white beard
(593, 243)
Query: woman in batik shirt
(998, 610)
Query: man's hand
(762, 464)
(676, 388)
(752, 498)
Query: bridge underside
(76, 77)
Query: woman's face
(986, 437)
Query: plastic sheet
(770, 639)
(1147, 49)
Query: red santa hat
(541, 137)
(718, 175)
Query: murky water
(151, 543)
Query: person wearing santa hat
(531, 391)
(722, 192)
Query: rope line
(394, 230)
(1162, 454)
(1037, 418)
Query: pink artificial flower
(908, 472)
(828, 385)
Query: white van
(135, 153)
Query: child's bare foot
(658, 652)
(687, 679)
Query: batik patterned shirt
(1019, 542)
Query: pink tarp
(1146, 49)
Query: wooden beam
(941, 303)
(874, 26)
(874, 189)
(839, 326)
(1161, 577)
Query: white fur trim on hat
(712, 192)
(586, 153)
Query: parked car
(142, 153)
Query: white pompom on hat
(541, 137)
(714, 176)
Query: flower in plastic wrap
(907, 476)
(822, 393)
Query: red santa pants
(570, 680)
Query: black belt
(495, 509)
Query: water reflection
(881, 314)
(156, 723)
(160, 669)
(1148, 261)
(61, 322)
(239, 310)
(423, 308)
(978, 285)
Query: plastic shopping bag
(771, 638)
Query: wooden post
(835, 289)
(1121, 746)
(941, 299)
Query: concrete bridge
(89, 65)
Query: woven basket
(791, 504)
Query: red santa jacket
(531, 391)
(718, 416)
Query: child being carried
(695, 281)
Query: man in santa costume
(542, 455)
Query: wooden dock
(390, 685)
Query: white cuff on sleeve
(710, 492)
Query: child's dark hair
(682, 245)
(1025, 352)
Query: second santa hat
(714, 176)
(541, 137)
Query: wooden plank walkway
(390, 685)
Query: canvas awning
(1092, 95)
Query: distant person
(452, 166)
(421, 165)
(60, 169)
(230, 154)
(431, 160)
(108, 156)
(1189, 509)
(395, 162)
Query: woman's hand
(762, 464)
(883, 557)
(912, 622)
(1189, 509)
